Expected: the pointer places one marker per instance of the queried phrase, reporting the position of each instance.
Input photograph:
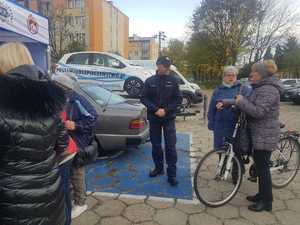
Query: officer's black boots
(156, 172)
(172, 181)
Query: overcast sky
(147, 17)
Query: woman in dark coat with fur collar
(31, 136)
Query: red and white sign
(15, 18)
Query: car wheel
(186, 101)
(134, 87)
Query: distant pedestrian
(162, 96)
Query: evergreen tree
(268, 54)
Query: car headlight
(299, 93)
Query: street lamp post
(161, 37)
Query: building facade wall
(116, 30)
(142, 48)
(96, 23)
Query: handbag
(244, 139)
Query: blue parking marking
(128, 174)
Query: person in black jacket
(161, 96)
(31, 136)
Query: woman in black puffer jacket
(31, 136)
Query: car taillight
(137, 124)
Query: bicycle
(219, 174)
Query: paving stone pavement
(125, 210)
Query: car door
(109, 71)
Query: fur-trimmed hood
(27, 90)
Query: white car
(290, 82)
(112, 71)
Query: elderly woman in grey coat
(262, 109)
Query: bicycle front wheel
(214, 185)
(285, 162)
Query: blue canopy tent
(18, 24)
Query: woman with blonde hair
(14, 55)
(32, 135)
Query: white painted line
(143, 197)
(192, 164)
(153, 198)
(188, 202)
(106, 194)
(136, 197)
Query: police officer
(161, 96)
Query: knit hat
(65, 80)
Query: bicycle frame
(229, 154)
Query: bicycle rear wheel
(211, 185)
(285, 162)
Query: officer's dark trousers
(261, 160)
(169, 131)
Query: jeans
(65, 172)
(261, 160)
(169, 131)
(78, 185)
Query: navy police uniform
(162, 91)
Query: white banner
(17, 19)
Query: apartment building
(98, 24)
(143, 48)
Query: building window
(80, 37)
(70, 4)
(75, 4)
(79, 3)
(80, 21)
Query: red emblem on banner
(32, 24)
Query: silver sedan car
(121, 123)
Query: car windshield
(102, 96)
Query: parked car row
(291, 90)
(122, 122)
(119, 74)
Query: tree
(198, 55)
(273, 21)
(228, 26)
(60, 32)
(287, 57)
(176, 51)
(278, 57)
(268, 54)
(76, 46)
(245, 71)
